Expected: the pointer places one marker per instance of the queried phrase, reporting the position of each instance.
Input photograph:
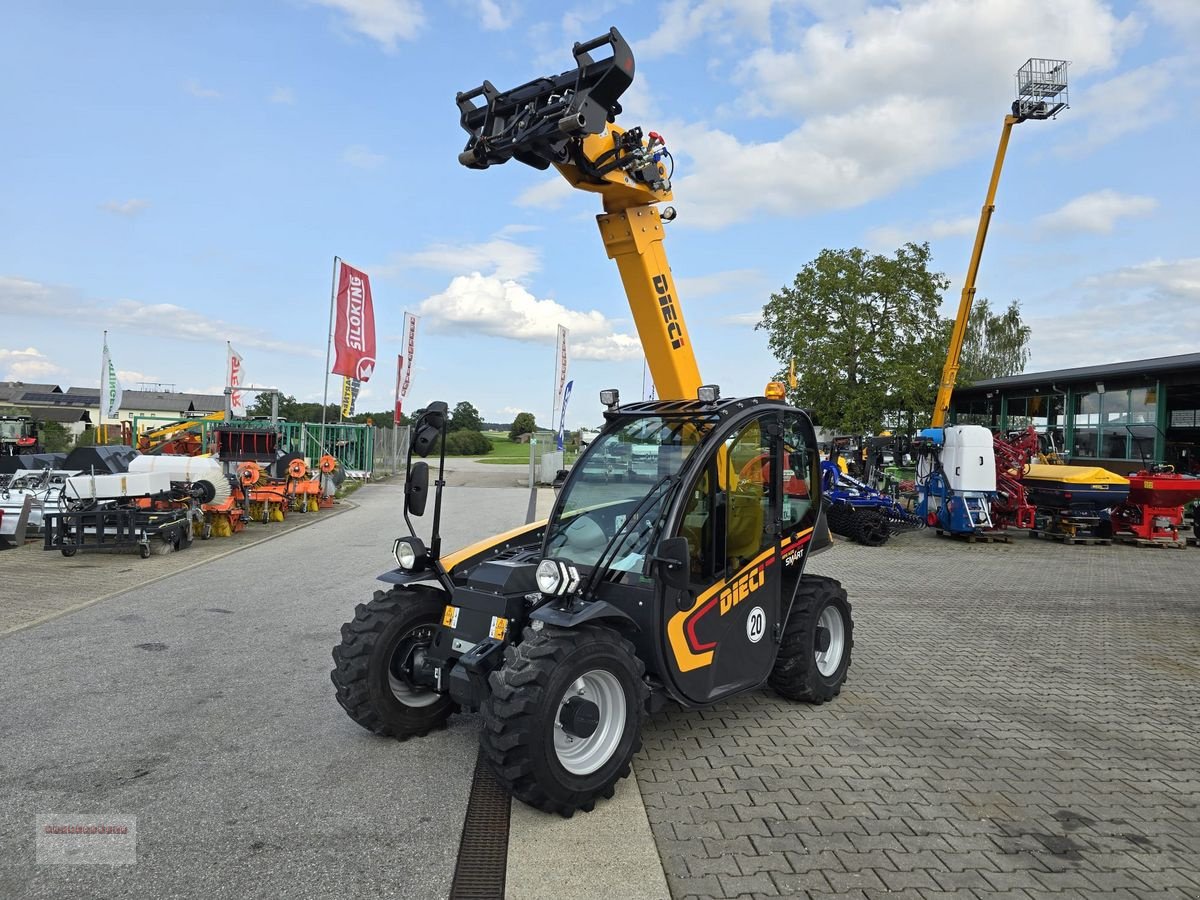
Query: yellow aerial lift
(682, 583)
(1041, 94)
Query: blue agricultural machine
(956, 479)
(861, 512)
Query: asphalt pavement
(201, 704)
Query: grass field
(509, 453)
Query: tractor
(18, 436)
(684, 586)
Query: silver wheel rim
(401, 690)
(582, 756)
(830, 658)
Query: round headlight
(410, 554)
(549, 576)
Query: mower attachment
(535, 122)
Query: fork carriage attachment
(536, 122)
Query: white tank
(969, 459)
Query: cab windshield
(624, 473)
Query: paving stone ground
(1021, 721)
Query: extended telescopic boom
(568, 121)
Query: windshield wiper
(606, 558)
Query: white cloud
(362, 157)
(868, 100)
(128, 208)
(1182, 15)
(892, 236)
(1096, 212)
(282, 95)
(21, 297)
(193, 87)
(1137, 312)
(492, 17)
(548, 194)
(132, 378)
(681, 22)
(741, 281)
(498, 257)
(29, 364)
(485, 304)
(385, 21)
(1110, 109)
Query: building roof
(68, 415)
(1092, 373)
(11, 391)
(151, 401)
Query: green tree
(523, 424)
(864, 332)
(465, 417)
(55, 437)
(996, 344)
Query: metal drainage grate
(483, 851)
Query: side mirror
(416, 489)
(673, 562)
(428, 428)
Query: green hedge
(467, 443)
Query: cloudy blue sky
(182, 174)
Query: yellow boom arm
(567, 121)
(941, 406)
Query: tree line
(869, 342)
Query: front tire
(814, 655)
(373, 664)
(564, 716)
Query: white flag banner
(560, 372)
(110, 386)
(237, 399)
(404, 367)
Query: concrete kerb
(607, 853)
(343, 507)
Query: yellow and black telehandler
(688, 587)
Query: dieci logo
(742, 588)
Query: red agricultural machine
(1153, 512)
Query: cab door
(721, 631)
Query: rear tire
(526, 738)
(369, 664)
(814, 655)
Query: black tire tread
(792, 675)
(517, 695)
(352, 657)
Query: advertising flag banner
(110, 386)
(237, 400)
(350, 388)
(404, 363)
(354, 326)
(560, 370)
(562, 421)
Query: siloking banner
(354, 326)
(404, 362)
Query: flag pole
(103, 373)
(328, 348)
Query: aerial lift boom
(1041, 94)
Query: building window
(1116, 424)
